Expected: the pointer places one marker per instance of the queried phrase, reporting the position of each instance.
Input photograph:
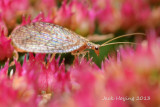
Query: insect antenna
(119, 43)
(107, 42)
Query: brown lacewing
(41, 37)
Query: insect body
(41, 37)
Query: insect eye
(96, 48)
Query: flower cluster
(83, 16)
(11, 10)
(110, 16)
(130, 79)
(6, 49)
(135, 74)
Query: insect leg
(83, 53)
(75, 54)
(15, 57)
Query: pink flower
(109, 18)
(3, 26)
(16, 91)
(135, 12)
(46, 5)
(5, 47)
(83, 18)
(54, 78)
(99, 4)
(49, 78)
(155, 16)
(85, 80)
(76, 16)
(133, 74)
(63, 15)
(12, 9)
(39, 18)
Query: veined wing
(43, 37)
